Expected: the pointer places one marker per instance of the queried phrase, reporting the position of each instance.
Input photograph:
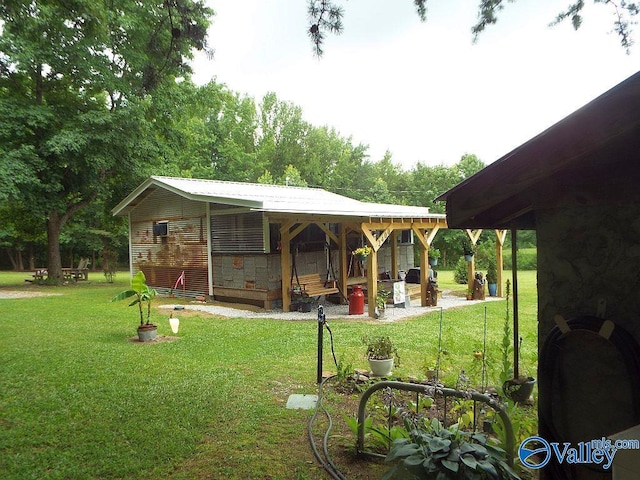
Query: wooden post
(343, 261)
(394, 255)
(372, 281)
(285, 265)
(501, 235)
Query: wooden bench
(252, 296)
(312, 285)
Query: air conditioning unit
(161, 229)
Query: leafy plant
(142, 293)
(506, 348)
(460, 272)
(434, 253)
(381, 298)
(381, 348)
(467, 246)
(492, 270)
(435, 452)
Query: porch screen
(238, 233)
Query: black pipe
(321, 322)
(514, 276)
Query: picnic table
(81, 272)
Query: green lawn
(79, 401)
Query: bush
(460, 272)
(527, 259)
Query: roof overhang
(590, 157)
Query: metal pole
(514, 276)
(321, 322)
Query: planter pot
(519, 389)
(493, 289)
(381, 368)
(147, 333)
(304, 307)
(433, 262)
(468, 258)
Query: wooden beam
(372, 282)
(329, 233)
(285, 267)
(471, 267)
(501, 236)
(394, 254)
(343, 260)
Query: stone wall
(588, 264)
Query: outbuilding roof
(270, 198)
(591, 157)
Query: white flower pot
(381, 368)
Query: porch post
(501, 236)
(285, 265)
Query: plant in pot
(492, 276)
(468, 249)
(434, 255)
(381, 301)
(381, 354)
(515, 387)
(141, 292)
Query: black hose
(628, 348)
(328, 465)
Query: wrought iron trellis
(433, 391)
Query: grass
(80, 401)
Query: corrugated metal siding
(237, 233)
(162, 259)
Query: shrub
(460, 272)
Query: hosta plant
(434, 452)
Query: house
(251, 242)
(577, 184)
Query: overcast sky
(423, 91)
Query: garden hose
(619, 338)
(326, 462)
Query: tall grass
(78, 400)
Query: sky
(421, 90)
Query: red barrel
(356, 301)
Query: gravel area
(4, 294)
(331, 310)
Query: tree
(325, 16)
(74, 84)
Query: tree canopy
(325, 17)
(75, 83)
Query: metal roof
(270, 198)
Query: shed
(577, 185)
(249, 242)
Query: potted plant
(492, 276)
(147, 331)
(468, 249)
(435, 451)
(381, 353)
(362, 252)
(434, 255)
(520, 387)
(381, 301)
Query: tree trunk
(32, 258)
(12, 258)
(54, 260)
